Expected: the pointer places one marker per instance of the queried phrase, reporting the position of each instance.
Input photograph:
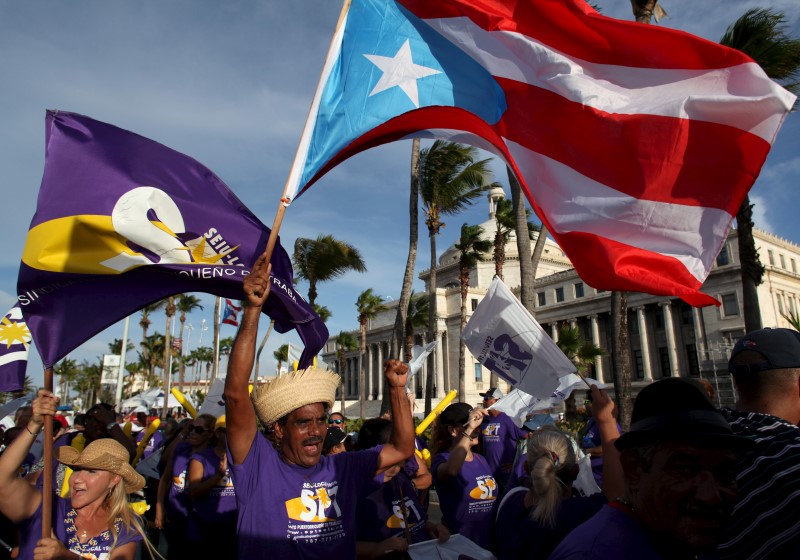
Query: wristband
(466, 435)
(31, 433)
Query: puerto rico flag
(634, 144)
(230, 315)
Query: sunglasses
(198, 429)
(331, 421)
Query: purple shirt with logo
(289, 511)
(219, 505)
(499, 436)
(153, 443)
(467, 499)
(381, 515)
(178, 500)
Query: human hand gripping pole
(401, 441)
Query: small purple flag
(123, 221)
(15, 339)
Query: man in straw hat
(765, 365)
(293, 502)
(679, 471)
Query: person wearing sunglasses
(337, 420)
(173, 505)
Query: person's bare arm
(604, 413)
(422, 479)
(18, 498)
(198, 486)
(240, 415)
(458, 454)
(401, 442)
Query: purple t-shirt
(30, 531)
(518, 536)
(219, 505)
(380, 514)
(467, 499)
(288, 511)
(499, 436)
(177, 500)
(153, 443)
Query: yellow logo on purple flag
(15, 339)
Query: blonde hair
(551, 458)
(119, 509)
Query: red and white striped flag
(635, 144)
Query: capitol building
(668, 338)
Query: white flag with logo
(506, 339)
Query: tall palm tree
(417, 317)
(368, 305)
(115, 347)
(450, 179)
(527, 272)
(645, 10)
(204, 355)
(169, 310)
(345, 342)
(582, 353)
(145, 321)
(261, 348)
(225, 346)
(66, 370)
(506, 223)
(471, 248)
(152, 353)
(281, 355)
(323, 312)
(323, 259)
(186, 304)
(761, 34)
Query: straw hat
(103, 455)
(277, 398)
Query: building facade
(667, 337)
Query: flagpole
(217, 306)
(123, 353)
(285, 201)
(47, 471)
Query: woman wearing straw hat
(95, 522)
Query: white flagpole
(123, 353)
(216, 336)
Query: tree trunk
(217, 304)
(342, 365)
(643, 10)
(261, 348)
(432, 324)
(462, 348)
(170, 310)
(362, 377)
(182, 374)
(526, 270)
(398, 335)
(621, 357)
(752, 270)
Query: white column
(370, 372)
(554, 331)
(380, 370)
(573, 323)
(670, 329)
(598, 361)
(440, 365)
(699, 331)
(644, 340)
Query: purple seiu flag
(15, 340)
(122, 222)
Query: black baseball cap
(493, 393)
(780, 348)
(335, 436)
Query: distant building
(667, 337)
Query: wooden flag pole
(47, 474)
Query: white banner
(110, 369)
(506, 339)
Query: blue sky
(230, 83)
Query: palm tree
(793, 319)
(261, 347)
(115, 347)
(323, 312)
(281, 355)
(762, 35)
(470, 249)
(144, 322)
(204, 355)
(582, 353)
(450, 180)
(323, 259)
(527, 271)
(67, 370)
(225, 346)
(186, 304)
(644, 10)
(506, 222)
(152, 352)
(345, 342)
(368, 306)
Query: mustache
(312, 441)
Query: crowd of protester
(279, 476)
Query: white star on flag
(400, 71)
